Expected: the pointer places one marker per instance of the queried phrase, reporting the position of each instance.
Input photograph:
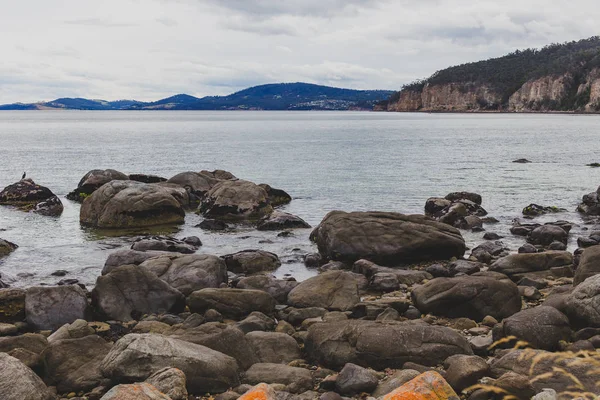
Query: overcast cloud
(149, 49)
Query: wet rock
(542, 327)
(589, 265)
(278, 220)
(463, 371)
(559, 246)
(474, 296)
(354, 379)
(164, 243)
(278, 288)
(188, 273)
(29, 196)
(226, 339)
(135, 357)
(73, 365)
(114, 298)
(313, 260)
(273, 347)
(145, 178)
(18, 382)
(366, 343)
(522, 161)
(6, 247)
(385, 238)
(135, 391)
(333, 290)
(491, 236)
(53, 306)
(130, 204)
(429, 385)
(171, 382)
(213, 225)
(232, 303)
(236, 200)
(295, 380)
(534, 210)
(546, 234)
(456, 196)
(526, 262)
(93, 180)
(590, 203)
(250, 262)
(12, 305)
(277, 197)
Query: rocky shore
(400, 309)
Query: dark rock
(534, 210)
(333, 290)
(163, 243)
(278, 220)
(491, 236)
(59, 272)
(463, 371)
(367, 343)
(53, 306)
(130, 204)
(256, 321)
(296, 380)
(589, 264)
(527, 248)
(278, 288)
(546, 234)
(188, 273)
(590, 204)
(277, 197)
(232, 303)
(250, 262)
(6, 247)
(474, 296)
(374, 272)
(526, 262)
(273, 347)
(522, 161)
(542, 327)
(536, 283)
(559, 246)
(295, 316)
(313, 260)
(385, 238)
(236, 200)
(464, 267)
(372, 309)
(456, 196)
(135, 357)
(114, 298)
(94, 180)
(29, 196)
(32, 342)
(197, 184)
(438, 271)
(144, 178)
(212, 225)
(354, 379)
(488, 251)
(128, 257)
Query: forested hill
(277, 96)
(558, 77)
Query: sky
(151, 49)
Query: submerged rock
(385, 238)
(278, 220)
(130, 204)
(534, 210)
(6, 247)
(29, 196)
(164, 243)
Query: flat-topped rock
(514, 264)
(385, 238)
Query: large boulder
(220, 337)
(473, 296)
(73, 365)
(196, 183)
(274, 347)
(385, 238)
(236, 200)
(250, 262)
(368, 343)
(29, 196)
(50, 307)
(130, 291)
(128, 257)
(278, 288)
(188, 273)
(279, 220)
(589, 264)
(232, 303)
(582, 305)
(521, 263)
(135, 357)
(130, 204)
(18, 382)
(333, 290)
(92, 181)
(6, 247)
(546, 234)
(542, 327)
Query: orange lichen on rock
(427, 386)
(262, 391)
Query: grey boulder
(278, 288)
(582, 305)
(232, 303)
(236, 200)
(18, 382)
(589, 265)
(92, 181)
(531, 262)
(50, 307)
(279, 220)
(273, 347)
(333, 290)
(296, 380)
(250, 262)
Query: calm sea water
(325, 160)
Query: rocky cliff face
(549, 93)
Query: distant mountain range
(276, 96)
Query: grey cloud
(167, 21)
(98, 22)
